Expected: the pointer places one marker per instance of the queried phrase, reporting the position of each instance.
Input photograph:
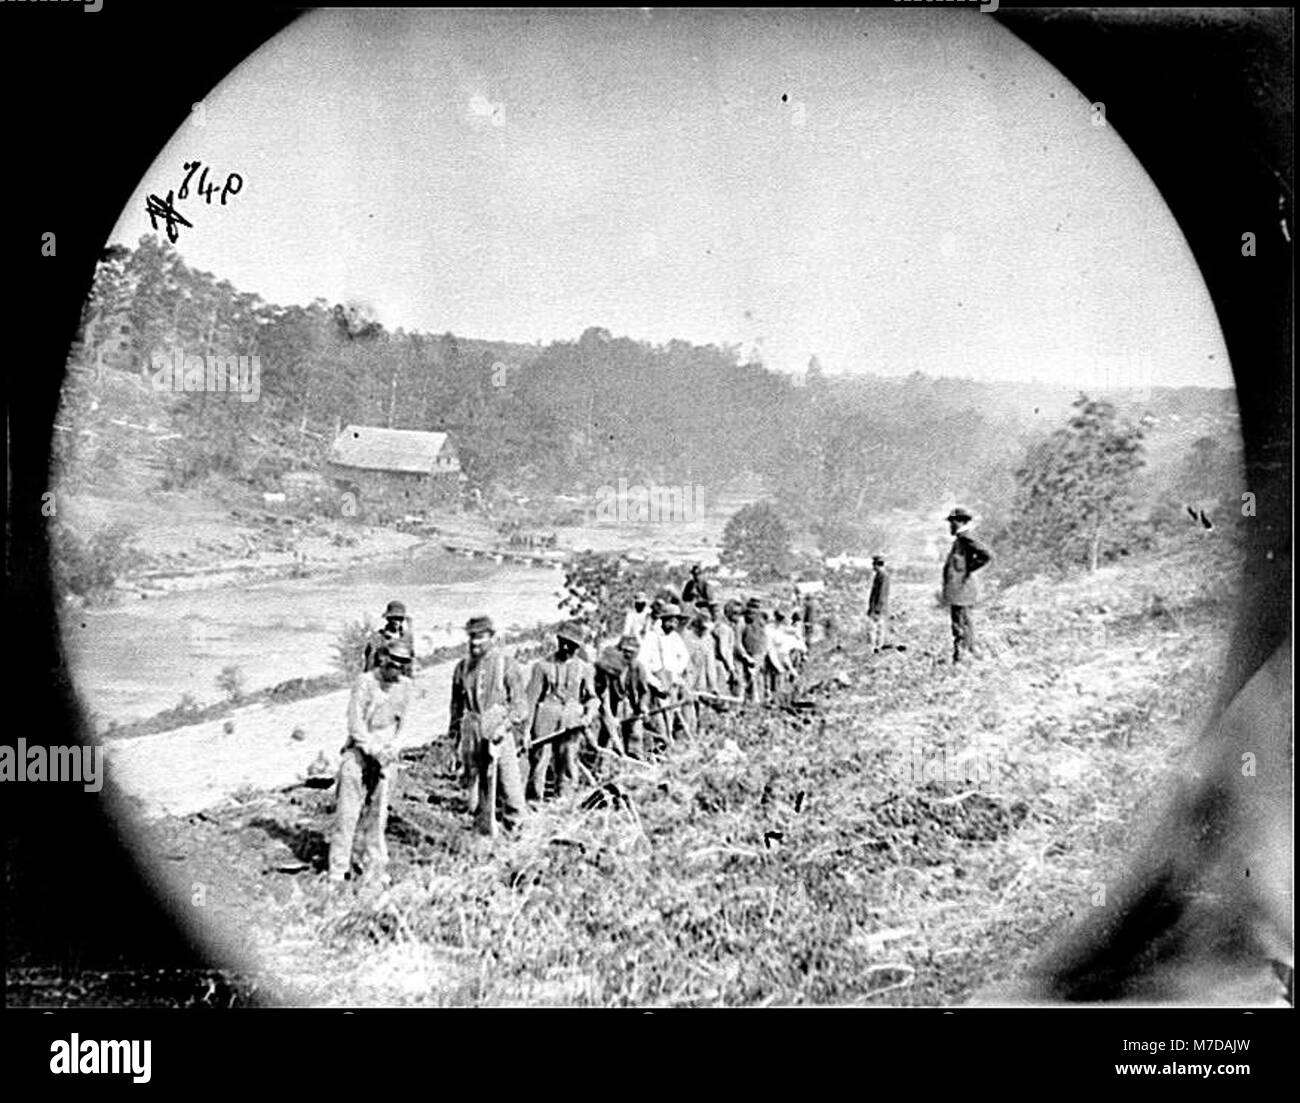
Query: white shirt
(665, 658)
(635, 624)
(783, 642)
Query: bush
(231, 682)
(757, 540)
(599, 587)
(88, 568)
(350, 647)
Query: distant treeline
(564, 418)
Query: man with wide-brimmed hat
(664, 656)
(878, 605)
(561, 694)
(960, 588)
(624, 695)
(487, 700)
(397, 626)
(376, 708)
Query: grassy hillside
(777, 860)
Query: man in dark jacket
(878, 605)
(960, 589)
(624, 695)
(562, 695)
(397, 626)
(752, 651)
(487, 701)
(697, 589)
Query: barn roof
(387, 449)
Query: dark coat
(694, 591)
(380, 638)
(878, 602)
(753, 640)
(622, 688)
(966, 556)
(492, 684)
(562, 693)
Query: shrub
(350, 646)
(599, 587)
(231, 682)
(88, 568)
(756, 540)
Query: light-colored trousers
(475, 778)
(362, 796)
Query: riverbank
(776, 860)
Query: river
(133, 660)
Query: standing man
(380, 698)
(487, 696)
(781, 644)
(623, 693)
(562, 694)
(734, 613)
(752, 651)
(397, 626)
(666, 661)
(724, 647)
(811, 615)
(697, 589)
(878, 606)
(637, 619)
(960, 589)
(702, 672)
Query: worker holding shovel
(487, 699)
(376, 708)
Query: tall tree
(1074, 486)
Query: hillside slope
(777, 860)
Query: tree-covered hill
(564, 418)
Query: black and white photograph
(679, 508)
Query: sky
(892, 190)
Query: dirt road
(189, 769)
